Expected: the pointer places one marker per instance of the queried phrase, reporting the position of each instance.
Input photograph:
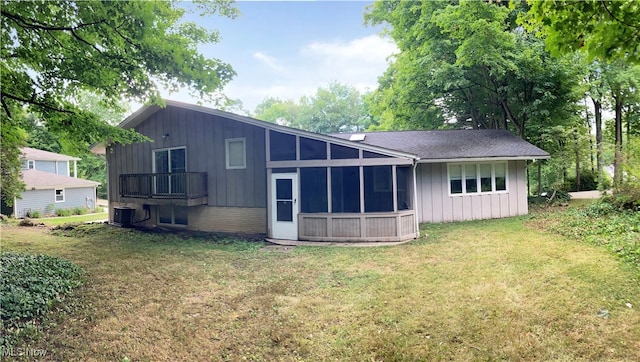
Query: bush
(80, 210)
(63, 212)
(626, 197)
(34, 214)
(588, 182)
(32, 286)
(549, 196)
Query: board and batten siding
(44, 201)
(204, 136)
(436, 205)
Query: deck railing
(180, 185)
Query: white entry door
(284, 203)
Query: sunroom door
(284, 201)
(165, 163)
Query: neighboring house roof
(41, 180)
(454, 145)
(29, 153)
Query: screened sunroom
(322, 188)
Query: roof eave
(143, 113)
(483, 159)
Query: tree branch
(34, 24)
(604, 5)
(6, 108)
(34, 102)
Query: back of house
(210, 170)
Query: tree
(605, 30)
(277, 111)
(623, 82)
(469, 63)
(53, 50)
(337, 108)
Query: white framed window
(235, 153)
(477, 178)
(59, 195)
(29, 165)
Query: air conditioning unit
(123, 216)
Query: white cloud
(269, 61)
(357, 62)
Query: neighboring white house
(49, 185)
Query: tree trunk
(577, 150)
(617, 161)
(597, 106)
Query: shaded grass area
(597, 223)
(468, 291)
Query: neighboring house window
(236, 153)
(59, 195)
(29, 165)
(471, 178)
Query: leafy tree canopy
(605, 30)
(468, 62)
(337, 108)
(53, 51)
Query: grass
(489, 290)
(61, 220)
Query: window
(403, 175)
(59, 195)
(311, 149)
(470, 179)
(345, 189)
(478, 178)
(236, 154)
(369, 154)
(29, 165)
(455, 179)
(173, 215)
(313, 189)
(282, 146)
(166, 162)
(339, 152)
(378, 195)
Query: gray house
(216, 171)
(49, 185)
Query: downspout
(415, 196)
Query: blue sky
(287, 49)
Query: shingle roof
(41, 180)
(29, 153)
(454, 144)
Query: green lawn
(489, 290)
(53, 221)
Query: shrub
(80, 210)
(34, 214)
(98, 210)
(32, 286)
(549, 196)
(588, 182)
(63, 212)
(626, 197)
